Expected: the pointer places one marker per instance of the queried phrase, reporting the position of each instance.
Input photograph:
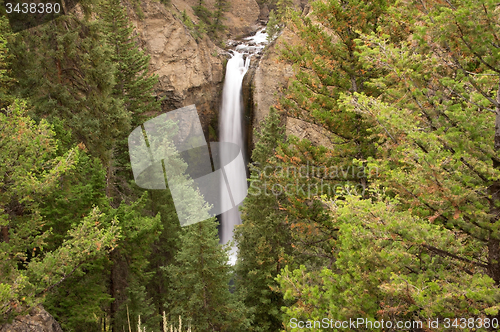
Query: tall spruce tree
(133, 85)
(200, 282)
(263, 239)
(134, 82)
(326, 65)
(203, 13)
(221, 7)
(273, 27)
(66, 70)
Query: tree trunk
(112, 292)
(494, 191)
(5, 234)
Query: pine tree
(221, 7)
(66, 70)
(327, 64)
(203, 13)
(263, 239)
(6, 79)
(29, 173)
(200, 282)
(282, 7)
(445, 134)
(163, 252)
(331, 66)
(134, 83)
(425, 246)
(129, 274)
(273, 27)
(82, 98)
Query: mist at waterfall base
(231, 129)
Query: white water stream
(231, 126)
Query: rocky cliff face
(192, 72)
(38, 320)
(240, 19)
(189, 72)
(271, 77)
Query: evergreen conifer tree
(203, 13)
(200, 282)
(65, 68)
(221, 7)
(273, 27)
(133, 81)
(282, 7)
(263, 238)
(426, 245)
(6, 80)
(29, 269)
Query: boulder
(38, 320)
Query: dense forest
(396, 221)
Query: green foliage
(331, 66)
(200, 282)
(66, 71)
(211, 22)
(425, 245)
(29, 173)
(217, 27)
(198, 30)
(134, 83)
(6, 79)
(282, 8)
(273, 27)
(139, 232)
(203, 13)
(263, 238)
(408, 89)
(382, 262)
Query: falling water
(231, 127)
(231, 130)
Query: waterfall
(231, 127)
(231, 130)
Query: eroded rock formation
(269, 80)
(240, 18)
(189, 72)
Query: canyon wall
(189, 71)
(270, 77)
(192, 72)
(240, 19)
